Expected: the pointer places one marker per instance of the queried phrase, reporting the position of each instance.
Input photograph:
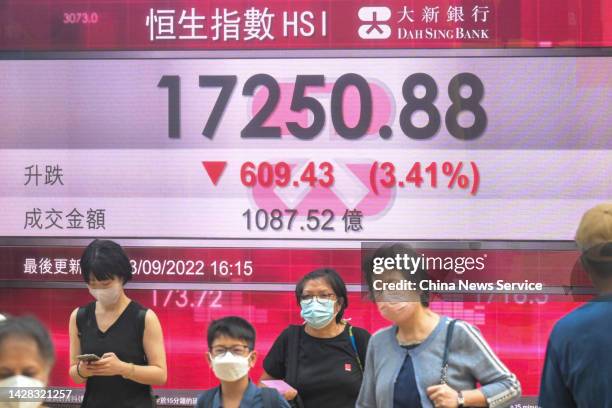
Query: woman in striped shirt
(404, 361)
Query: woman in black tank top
(127, 336)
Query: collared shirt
(578, 365)
(471, 361)
(251, 399)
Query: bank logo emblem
(373, 17)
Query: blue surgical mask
(318, 315)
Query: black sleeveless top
(124, 338)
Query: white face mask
(108, 296)
(230, 367)
(18, 381)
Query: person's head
(396, 305)
(231, 348)
(26, 353)
(322, 296)
(597, 261)
(105, 268)
(595, 227)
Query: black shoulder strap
(81, 319)
(354, 345)
(293, 354)
(292, 360)
(208, 397)
(270, 398)
(142, 315)
(449, 337)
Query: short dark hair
(391, 251)
(234, 327)
(29, 327)
(333, 279)
(598, 261)
(105, 259)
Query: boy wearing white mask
(231, 345)
(26, 359)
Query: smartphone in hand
(88, 357)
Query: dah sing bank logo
(374, 19)
(426, 23)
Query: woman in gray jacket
(404, 362)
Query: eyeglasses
(323, 298)
(237, 350)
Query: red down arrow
(214, 169)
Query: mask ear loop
(250, 357)
(211, 357)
